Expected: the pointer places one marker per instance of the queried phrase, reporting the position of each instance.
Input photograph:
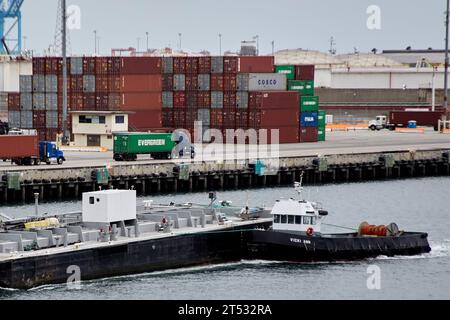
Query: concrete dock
(344, 157)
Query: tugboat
(295, 236)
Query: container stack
(224, 92)
(312, 121)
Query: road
(337, 143)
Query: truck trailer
(128, 145)
(27, 150)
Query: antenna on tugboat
(298, 186)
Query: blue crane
(10, 10)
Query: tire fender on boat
(309, 232)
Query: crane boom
(11, 10)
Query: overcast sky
(290, 23)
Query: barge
(112, 237)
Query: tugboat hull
(286, 246)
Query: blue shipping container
(309, 119)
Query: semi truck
(24, 149)
(400, 119)
(128, 145)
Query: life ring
(309, 232)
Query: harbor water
(414, 204)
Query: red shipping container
(230, 64)
(141, 101)
(423, 118)
(191, 117)
(286, 134)
(179, 118)
(42, 134)
(167, 118)
(39, 65)
(141, 65)
(308, 134)
(89, 65)
(179, 99)
(76, 83)
(256, 64)
(191, 99)
(229, 118)
(13, 101)
(271, 118)
(12, 146)
(217, 82)
(254, 119)
(60, 83)
(102, 83)
(191, 65)
(76, 101)
(179, 65)
(50, 134)
(304, 72)
(204, 65)
(141, 83)
(102, 102)
(191, 82)
(53, 65)
(89, 101)
(102, 65)
(39, 119)
(216, 118)
(167, 82)
(229, 82)
(114, 83)
(229, 99)
(204, 99)
(145, 120)
(241, 119)
(274, 99)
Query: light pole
(95, 41)
(25, 42)
(273, 47)
(147, 40)
(446, 61)
(257, 44)
(179, 43)
(220, 44)
(138, 43)
(98, 45)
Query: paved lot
(337, 143)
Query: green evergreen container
(321, 133)
(289, 71)
(304, 87)
(309, 88)
(321, 118)
(309, 104)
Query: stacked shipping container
(312, 121)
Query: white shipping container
(109, 206)
(267, 82)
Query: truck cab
(379, 123)
(48, 151)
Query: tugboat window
(313, 220)
(276, 218)
(306, 220)
(91, 200)
(291, 219)
(283, 219)
(298, 219)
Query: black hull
(138, 257)
(283, 246)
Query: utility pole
(220, 44)
(273, 47)
(147, 40)
(95, 41)
(179, 44)
(446, 61)
(138, 44)
(65, 137)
